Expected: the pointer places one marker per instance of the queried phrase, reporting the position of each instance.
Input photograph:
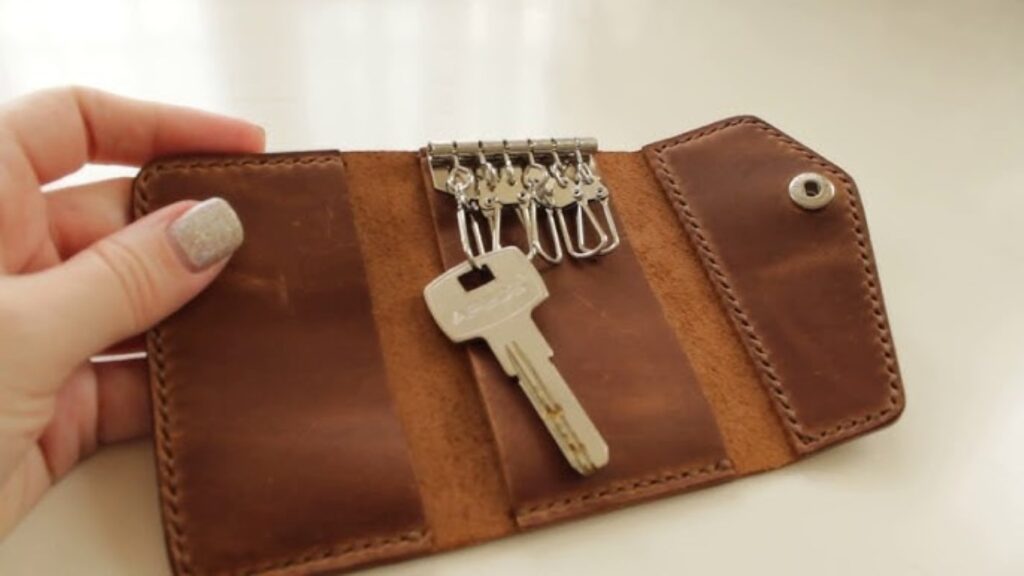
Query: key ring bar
(440, 151)
(441, 155)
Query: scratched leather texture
(801, 287)
(309, 417)
(276, 441)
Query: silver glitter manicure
(207, 233)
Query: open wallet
(712, 310)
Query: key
(499, 311)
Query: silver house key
(499, 311)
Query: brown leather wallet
(310, 416)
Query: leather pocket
(277, 442)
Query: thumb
(127, 282)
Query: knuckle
(68, 92)
(56, 97)
(135, 277)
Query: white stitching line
(627, 488)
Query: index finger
(52, 133)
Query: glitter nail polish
(207, 233)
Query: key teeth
(602, 459)
(576, 449)
(593, 461)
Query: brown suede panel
(449, 438)
(450, 441)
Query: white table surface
(920, 101)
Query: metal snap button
(811, 191)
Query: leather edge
(804, 439)
(626, 492)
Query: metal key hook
(555, 255)
(485, 169)
(537, 182)
(583, 172)
(487, 200)
(460, 179)
(557, 169)
(508, 192)
(525, 212)
(506, 160)
(584, 216)
(587, 178)
(605, 200)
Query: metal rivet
(811, 191)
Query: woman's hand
(76, 279)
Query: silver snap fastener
(811, 191)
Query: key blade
(515, 329)
(499, 311)
(574, 433)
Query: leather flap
(800, 286)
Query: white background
(921, 101)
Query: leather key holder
(310, 416)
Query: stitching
(753, 342)
(170, 490)
(354, 548)
(627, 488)
(191, 165)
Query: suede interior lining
(452, 447)
(451, 444)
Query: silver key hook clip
(460, 180)
(589, 187)
(487, 179)
(486, 173)
(506, 164)
(584, 216)
(537, 185)
(510, 193)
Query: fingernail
(207, 233)
(263, 136)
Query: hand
(76, 279)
